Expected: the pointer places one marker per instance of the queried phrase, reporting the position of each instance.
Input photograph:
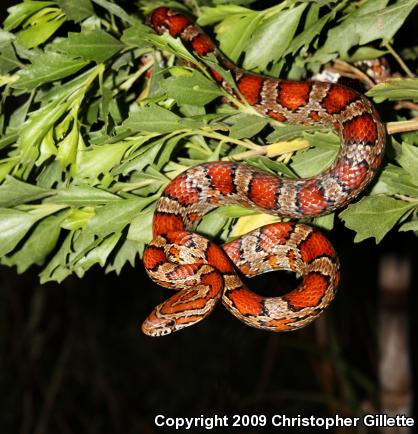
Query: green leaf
(8, 59)
(82, 195)
(101, 159)
(409, 226)
(23, 10)
(375, 216)
(14, 225)
(76, 10)
(408, 159)
(140, 159)
(114, 216)
(93, 45)
(325, 222)
(395, 180)
(38, 246)
(271, 166)
(313, 27)
(56, 270)
(47, 67)
(153, 118)
(247, 125)
(370, 22)
(97, 255)
(14, 192)
(395, 89)
(41, 27)
(213, 15)
(128, 252)
(272, 38)
(115, 10)
(191, 88)
(140, 230)
(285, 132)
(212, 223)
(137, 36)
(235, 32)
(313, 161)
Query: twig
(402, 126)
(273, 150)
(399, 59)
(356, 73)
(406, 105)
(406, 198)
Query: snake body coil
(180, 259)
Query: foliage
(89, 138)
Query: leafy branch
(98, 113)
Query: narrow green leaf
(212, 223)
(127, 253)
(56, 270)
(395, 89)
(115, 10)
(213, 15)
(23, 10)
(41, 29)
(14, 225)
(14, 192)
(82, 195)
(38, 246)
(97, 255)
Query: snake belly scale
(204, 273)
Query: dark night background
(73, 360)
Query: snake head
(154, 326)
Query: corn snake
(203, 272)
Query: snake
(203, 273)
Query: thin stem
(273, 150)
(351, 71)
(398, 58)
(214, 135)
(405, 198)
(131, 80)
(406, 105)
(402, 126)
(133, 185)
